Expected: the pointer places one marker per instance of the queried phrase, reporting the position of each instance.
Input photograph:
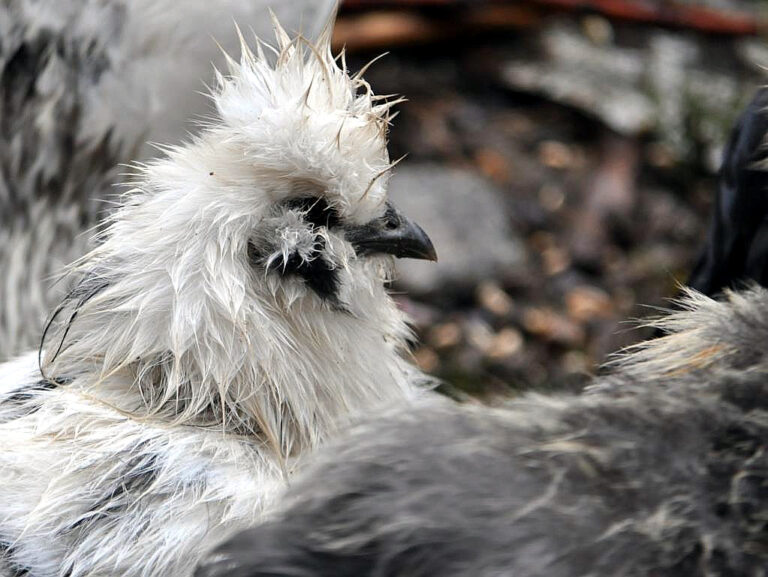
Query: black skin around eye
(316, 211)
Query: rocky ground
(565, 174)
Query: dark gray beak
(392, 234)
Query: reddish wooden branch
(381, 29)
(373, 23)
(680, 15)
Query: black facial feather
(316, 211)
(317, 273)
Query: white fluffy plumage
(217, 332)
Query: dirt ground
(610, 222)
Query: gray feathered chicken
(231, 316)
(84, 84)
(659, 469)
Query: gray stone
(465, 216)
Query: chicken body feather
(660, 468)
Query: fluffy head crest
(296, 111)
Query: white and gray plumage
(659, 469)
(83, 85)
(231, 316)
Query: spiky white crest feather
(224, 325)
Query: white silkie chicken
(233, 314)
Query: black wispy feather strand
(137, 475)
(23, 397)
(7, 554)
(87, 288)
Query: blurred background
(562, 154)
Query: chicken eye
(316, 211)
(391, 219)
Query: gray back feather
(659, 469)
